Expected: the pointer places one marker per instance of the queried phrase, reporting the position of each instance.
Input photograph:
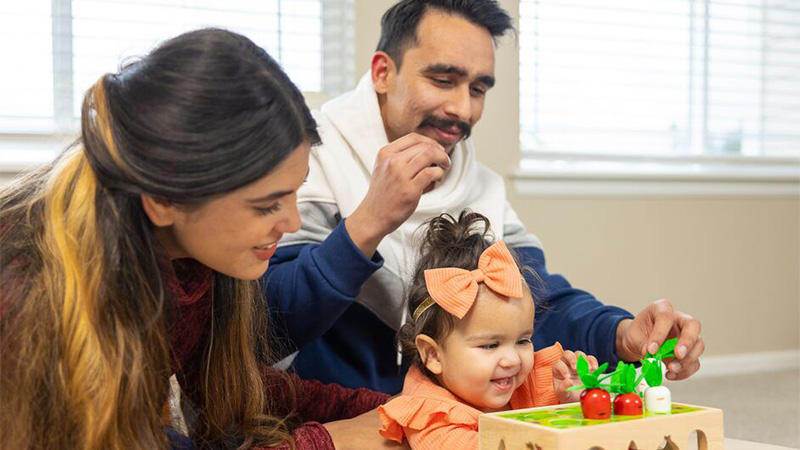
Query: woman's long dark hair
(83, 309)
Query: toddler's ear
(429, 353)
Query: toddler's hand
(565, 375)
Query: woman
(133, 255)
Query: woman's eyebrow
(276, 195)
(270, 197)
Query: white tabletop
(735, 444)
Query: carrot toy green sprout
(657, 398)
(595, 401)
(667, 350)
(623, 383)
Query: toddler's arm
(565, 375)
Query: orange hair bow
(455, 289)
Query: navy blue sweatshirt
(311, 290)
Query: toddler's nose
(510, 359)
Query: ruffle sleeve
(538, 389)
(419, 413)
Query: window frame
(581, 175)
(26, 150)
(571, 174)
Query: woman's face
(237, 233)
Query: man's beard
(438, 122)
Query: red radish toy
(628, 404)
(624, 382)
(595, 401)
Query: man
(395, 153)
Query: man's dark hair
(400, 22)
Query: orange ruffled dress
(432, 418)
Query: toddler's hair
(447, 242)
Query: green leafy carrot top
(651, 365)
(624, 379)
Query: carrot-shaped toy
(595, 401)
(623, 383)
(657, 398)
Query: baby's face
(489, 353)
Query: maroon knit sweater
(314, 402)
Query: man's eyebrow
(446, 69)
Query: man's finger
(664, 318)
(676, 366)
(425, 155)
(685, 372)
(427, 176)
(408, 141)
(689, 332)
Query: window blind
(53, 50)
(660, 77)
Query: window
(53, 50)
(674, 78)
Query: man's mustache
(438, 122)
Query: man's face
(442, 82)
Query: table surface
(735, 444)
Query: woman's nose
(291, 223)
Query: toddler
(470, 340)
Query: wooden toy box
(562, 427)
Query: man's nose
(459, 104)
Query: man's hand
(403, 171)
(361, 433)
(565, 375)
(651, 327)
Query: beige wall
(733, 263)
